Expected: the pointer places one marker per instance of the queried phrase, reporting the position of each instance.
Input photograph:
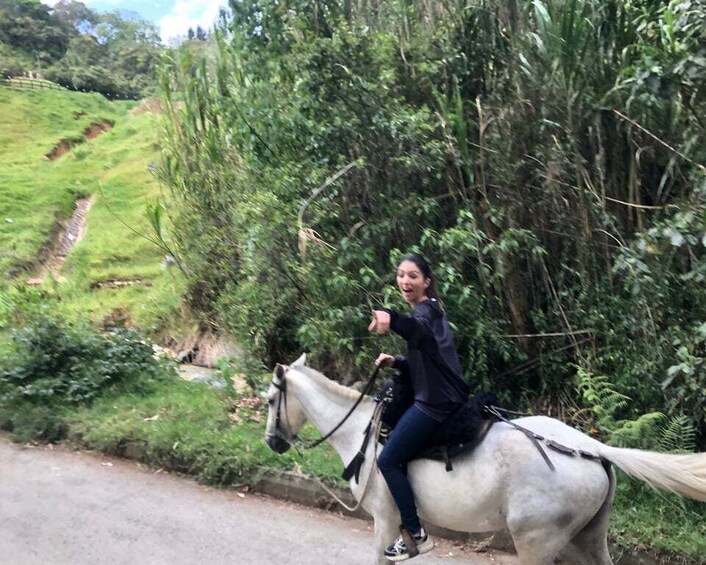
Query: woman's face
(412, 283)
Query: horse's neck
(326, 407)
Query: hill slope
(112, 266)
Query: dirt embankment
(64, 235)
(91, 132)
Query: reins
(366, 390)
(375, 424)
(373, 427)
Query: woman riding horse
(434, 372)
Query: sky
(172, 17)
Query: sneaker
(398, 550)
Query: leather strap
(409, 542)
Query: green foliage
(29, 25)
(545, 156)
(678, 436)
(648, 431)
(32, 422)
(54, 362)
(662, 523)
(189, 428)
(597, 392)
(115, 54)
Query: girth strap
(447, 459)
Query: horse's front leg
(386, 532)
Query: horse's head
(285, 416)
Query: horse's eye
(271, 401)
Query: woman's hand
(384, 361)
(380, 322)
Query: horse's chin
(277, 444)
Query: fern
(649, 431)
(678, 435)
(642, 433)
(597, 391)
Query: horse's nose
(277, 444)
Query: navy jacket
(431, 363)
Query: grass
(672, 527)
(190, 428)
(113, 169)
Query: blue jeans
(410, 436)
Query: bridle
(281, 386)
(353, 469)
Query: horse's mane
(328, 384)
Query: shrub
(54, 364)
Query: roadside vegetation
(547, 157)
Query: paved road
(60, 507)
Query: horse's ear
(301, 361)
(280, 370)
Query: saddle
(460, 433)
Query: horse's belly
(460, 500)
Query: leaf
(672, 375)
(676, 239)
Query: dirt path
(65, 237)
(58, 507)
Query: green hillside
(38, 193)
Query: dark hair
(423, 265)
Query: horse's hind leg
(538, 547)
(590, 545)
(538, 539)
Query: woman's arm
(414, 329)
(401, 364)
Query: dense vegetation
(547, 157)
(115, 54)
(55, 364)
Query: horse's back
(506, 479)
(558, 431)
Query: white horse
(504, 484)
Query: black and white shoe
(398, 550)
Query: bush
(54, 364)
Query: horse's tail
(683, 474)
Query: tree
(546, 156)
(29, 25)
(75, 16)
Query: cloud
(187, 14)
